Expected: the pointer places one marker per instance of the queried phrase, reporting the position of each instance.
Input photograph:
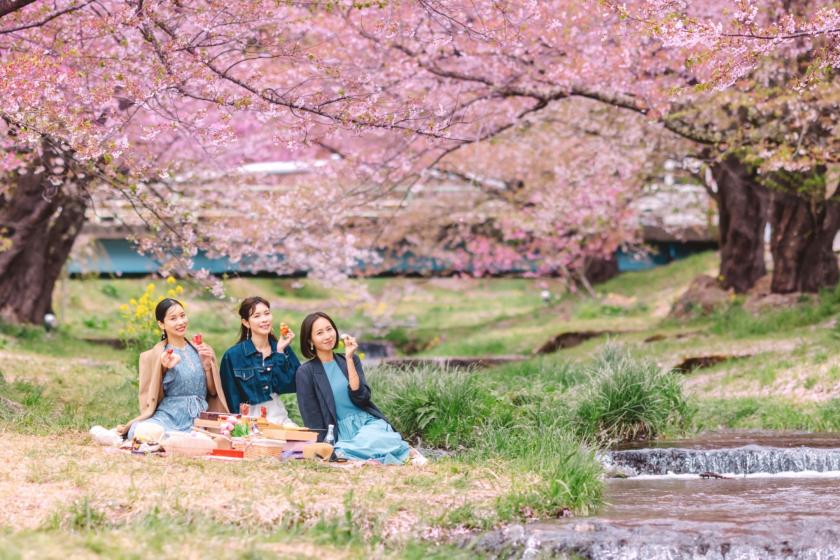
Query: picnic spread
(242, 436)
(226, 436)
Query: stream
(779, 499)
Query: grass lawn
(517, 440)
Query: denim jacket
(247, 377)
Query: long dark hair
(246, 309)
(162, 308)
(306, 346)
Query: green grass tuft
(628, 399)
(544, 374)
(104, 404)
(529, 431)
(439, 406)
(80, 516)
(567, 474)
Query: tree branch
(46, 20)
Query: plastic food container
(189, 445)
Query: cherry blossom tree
(512, 204)
(131, 96)
(766, 100)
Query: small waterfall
(739, 460)
(783, 517)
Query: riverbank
(496, 459)
(515, 442)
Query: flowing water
(778, 498)
(749, 459)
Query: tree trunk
(742, 207)
(599, 269)
(801, 243)
(40, 217)
(11, 6)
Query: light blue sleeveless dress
(184, 394)
(362, 436)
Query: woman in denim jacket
(259, 367)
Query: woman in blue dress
(331, 389)
(178, 379)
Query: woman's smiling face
(175, 323)
(323, 335)
(260, 320)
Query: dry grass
(770, 375)
(46, 477)
(196, 541)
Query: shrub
(627, 399)
(439, 405)
(140, 329)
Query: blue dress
(361, 435)
(184, 394)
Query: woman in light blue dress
(178, 379)
(331, 389)
(184, 393)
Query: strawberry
(197, 339)
(284, 330)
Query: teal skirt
(362, 437)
